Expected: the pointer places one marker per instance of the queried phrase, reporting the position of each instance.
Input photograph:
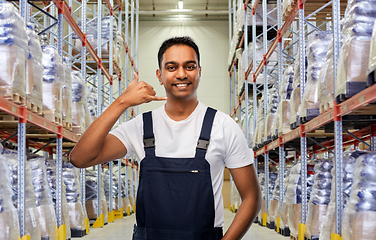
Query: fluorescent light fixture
(180, 4)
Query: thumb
(135, 78)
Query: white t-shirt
(178, 139)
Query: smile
(182, 85)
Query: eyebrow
(175, 63)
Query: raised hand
(139, 92)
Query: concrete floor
(122, 229)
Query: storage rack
(332, 118)
(30, 125)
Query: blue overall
(175, 196)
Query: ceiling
(193, 10)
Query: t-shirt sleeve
(237, 154)
(129, 133)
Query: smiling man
(183, 148)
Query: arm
(245, 179)
(95, 145)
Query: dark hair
(177, 41)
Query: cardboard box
(316, 217)
(363, 226)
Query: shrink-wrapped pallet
(320, 197)
(371, 71)
(260, 126)
(282, 121)
(115, 193)
(360, 212)
(34, 71)
(295, 96)
(121, 54)
(9, 229)
(243, 124)
(91, 99)
(282, 213)
(348, 163)
(271, 185)
(271, 113)
(67, 95)
(71, 177)
(53, 79)
(32, 226)
(273, 208)
(235, 197)
(78, 100)
(51, 178)
(294, 199)
(14, 51)
(354, 55)
(317, 48)
(91, 198)
(45, 207)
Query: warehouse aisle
(122, 229)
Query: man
(183, 147)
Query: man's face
(180, 73)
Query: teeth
(182, 85)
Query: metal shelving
(30, 124)
(336, 118)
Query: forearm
(90, 143)
(247, 212)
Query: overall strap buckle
(149, 143)
(202, 144)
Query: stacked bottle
(53, 78)
(9, 226)
(34, 71)
(355, 52)
(320, 197)
(77, 215)
(14, 50)
(317, 48)
(328, 226)
(51, 178)
(360, 212)
(273, 99)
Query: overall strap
(149, 141)
(203, 141)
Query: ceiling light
(180, 4)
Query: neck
(179, 111)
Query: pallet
(14, 97)
(311, 114)
(77, 130)
(270, 225)
(53, 116)
(326, 106)
(77, 233)
(352, 88)
(67, 125)
(34, 108)
(6, 117)
(311, 238)
(284, 231)
(288, 10)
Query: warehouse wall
(212, 39)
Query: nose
(181, 74)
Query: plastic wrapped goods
(14, 51)
(51, 178)
(360, 212)
(260, 126)
(293, 197)
(71, 177)
(271, 113)
(250, 120)
(317, 49)
(67, 95)
(235, 197)
(9, 229)
(32, 226)
(45, 207)
(106, 182)
(371, 73)
(273, 208)
(53, 78)
(121, 53)
(355, 52)
(78, 98)
(348, 163)
(320, 198)
(91, 198)
(295, 96)
(34, 71)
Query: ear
(159, 76)
(199, 71)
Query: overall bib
(175, 195)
